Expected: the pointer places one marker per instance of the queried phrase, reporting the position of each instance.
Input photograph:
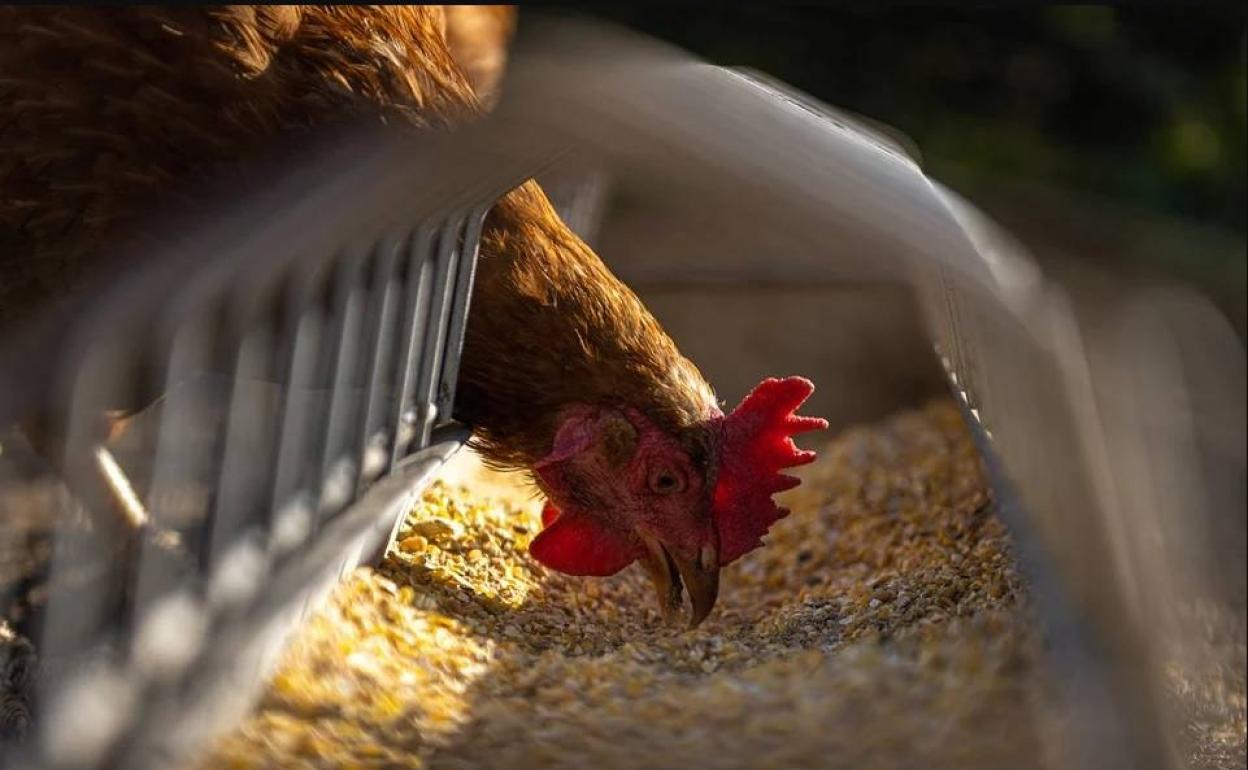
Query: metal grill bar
(435, 343)
(372, 440)
(338, 470)
(465, 256)
(416, 321)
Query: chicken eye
(666, 482)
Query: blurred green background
(1114, 134)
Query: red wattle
(577, 544)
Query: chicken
(564, 373)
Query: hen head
(621, 489)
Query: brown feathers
(107, 112)
(551, 326)
(477, 36)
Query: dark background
(1114, 134)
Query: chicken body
(111, 114)
(107, 113)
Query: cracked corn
(880, 627)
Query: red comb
(756, 444)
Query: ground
(884, 625)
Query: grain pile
(881, 627)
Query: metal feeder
(339, 299)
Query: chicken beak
(700, 577)
(666, 579)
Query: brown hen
(106, 113)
